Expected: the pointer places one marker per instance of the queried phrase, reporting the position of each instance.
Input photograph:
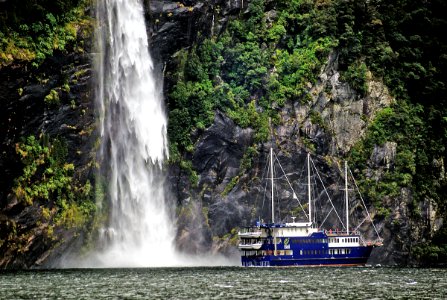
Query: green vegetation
(246, 163)
(402, 43)
(52, 98)
(50, 195)
(48, 181)
(355, 75)
(31, 31)
(266, 57)
(435, 252)
(271, 55)
(392, 124)
(247, 72)
(230, 238)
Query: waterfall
(133, 125)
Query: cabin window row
(302, 252)
(344, 240)
(339, 251)
(313, 252)
(309, 241)
(267, 252)
(325, 251)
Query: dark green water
(226, 283)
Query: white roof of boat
(299, 224)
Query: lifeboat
(249, 234)
(254, 246)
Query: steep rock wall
(329, 125)
(224, 197)
(26, 237)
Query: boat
(304, 243)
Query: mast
(308, 187)
(346, 197)
(271, 175)
(273, 202)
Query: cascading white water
(133, 142)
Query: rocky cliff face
(336, 119)
(25, 238)
(228, 163)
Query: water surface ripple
(226, 283)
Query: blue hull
(283, 261)
(313, 250)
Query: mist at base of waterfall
(117, 259)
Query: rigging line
(278, 208)
(266, 169)
(358, 226)
(363, 202)
(326, 217)
(316, 196)
(290, 185)
(327, 194)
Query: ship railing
(376, 243)
(336, 232)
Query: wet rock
(384, 155)
(219, 151)
(71, 118)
